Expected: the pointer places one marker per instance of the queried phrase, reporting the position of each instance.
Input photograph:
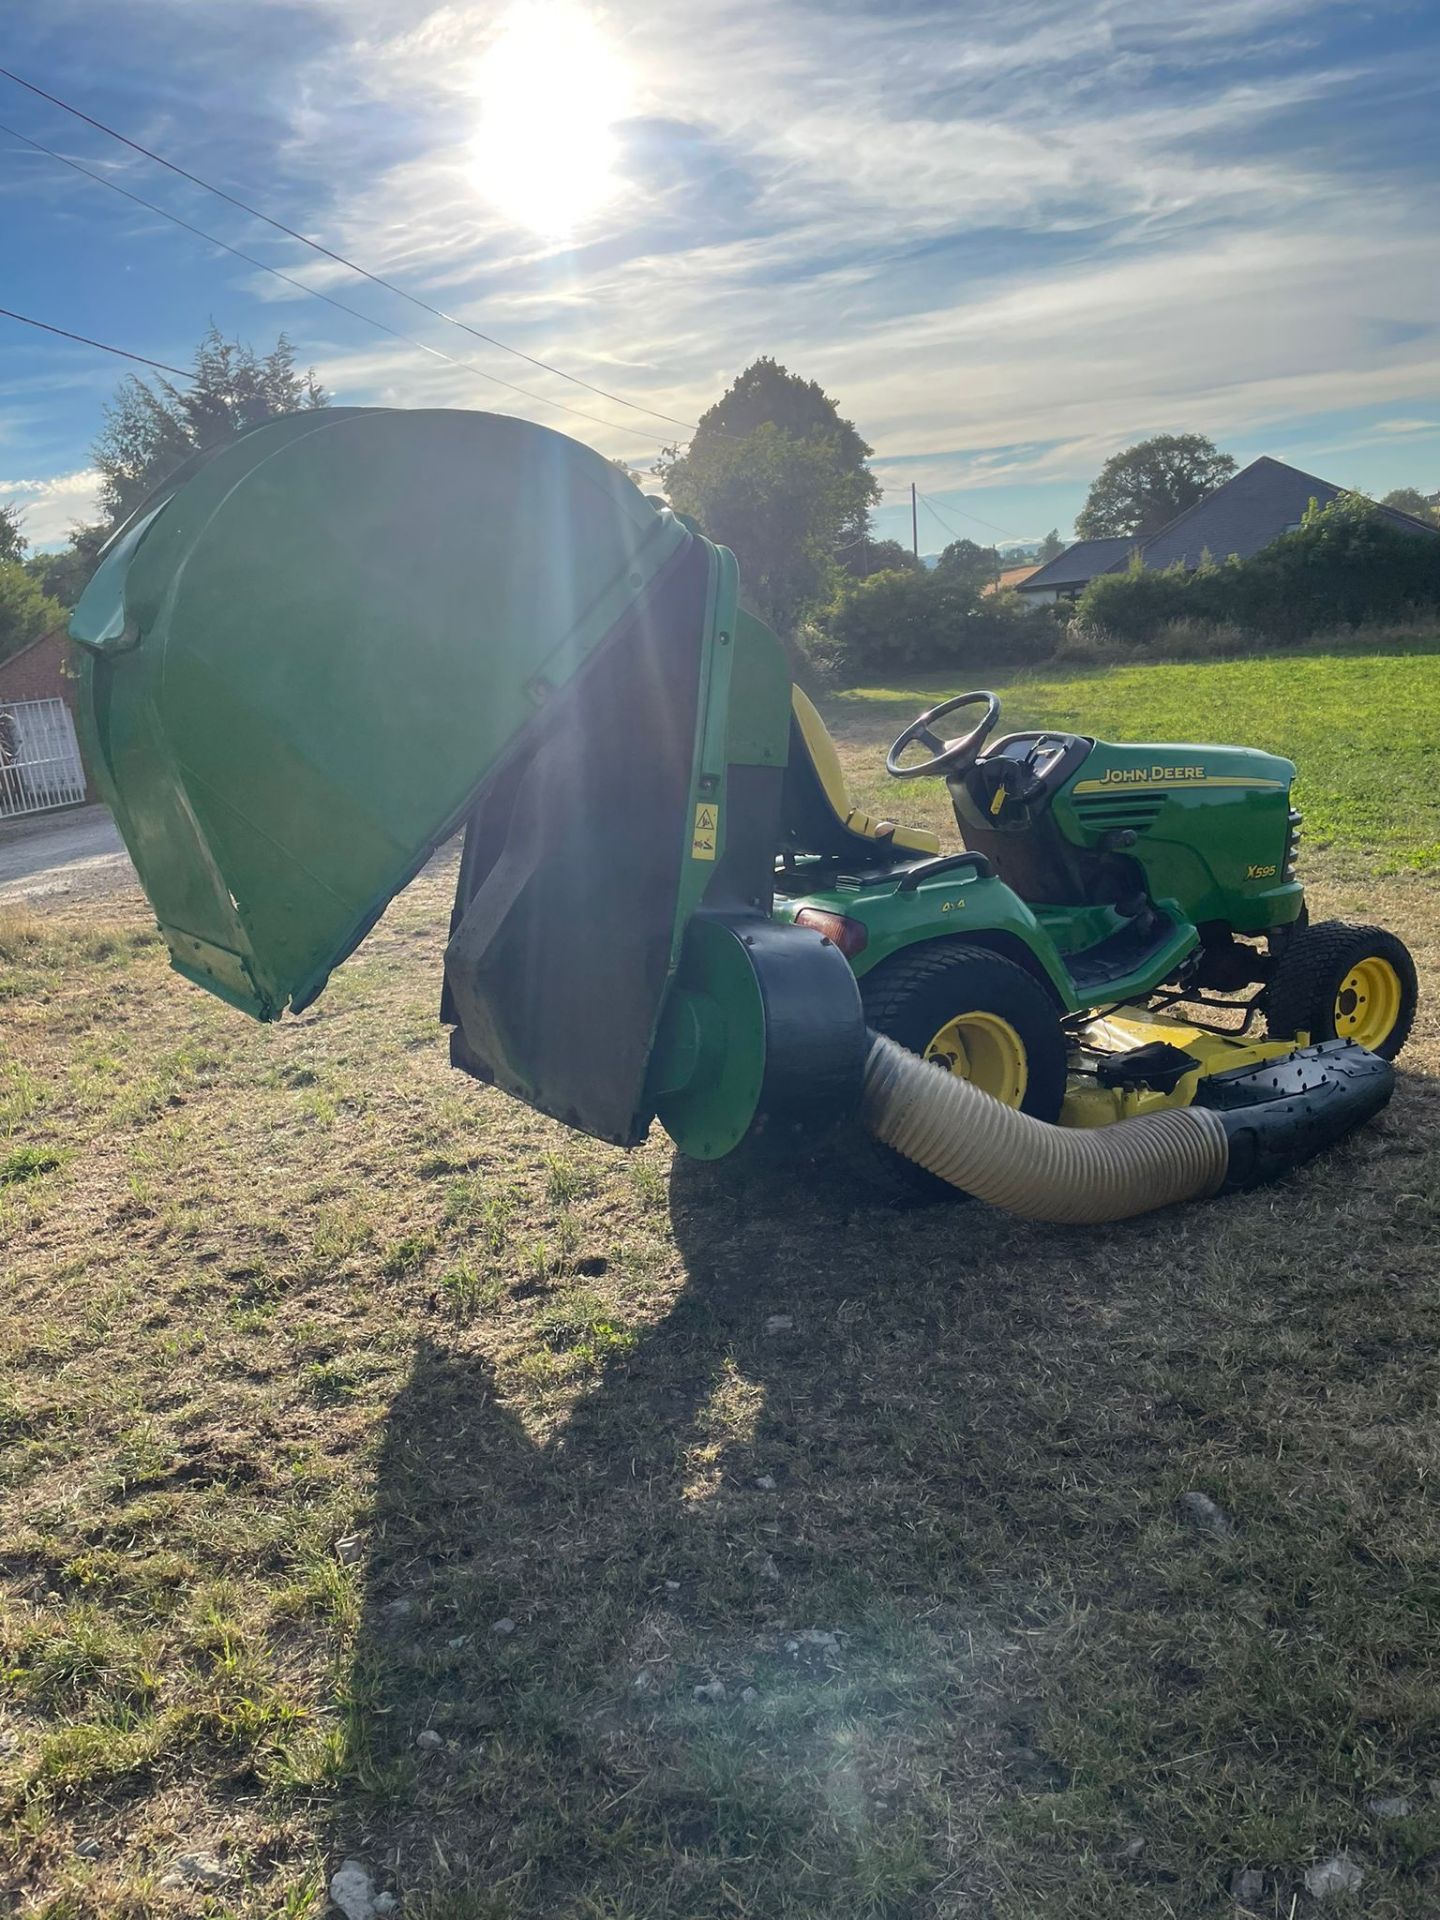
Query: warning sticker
(707, 829)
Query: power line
(352, 266)
(342, 306)
(903, 493)
(950, 531)
(1004, 533)
(85, 341)
(340, 259)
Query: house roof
(1081, 562)
(1011, 577)
(1252, 508)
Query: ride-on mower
(318, 652)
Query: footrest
(1121, 955)
(1282, 1113)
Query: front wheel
(972, 1013)
(1335, 981)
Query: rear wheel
(1335, 981)
(975, 1014)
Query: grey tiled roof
(1253, 508)
(1080, 563)
(1250, 510)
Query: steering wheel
(946, 756)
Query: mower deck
(1107, 1050)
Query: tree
(1142, 489)
(768, 394)
(774, 472)
(780, 505)
(62, 575)
(12, 536)
(25, 612)
(967, 562)
(864, 556)
(1411, 500)
(150, 429)
(1050, 548)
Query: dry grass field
(389, 1475)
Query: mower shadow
(853, 1420)
(816, 1344)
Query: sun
(551, 89)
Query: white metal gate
(39, 757)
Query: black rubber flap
(1283, 1113)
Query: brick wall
(39, 672)
(43, 672)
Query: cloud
(50, 507)
(1184, 267)
(1008, 238)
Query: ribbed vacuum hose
(1078, 1175)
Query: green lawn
(387, 1473)
(1364, 730)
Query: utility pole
(914, 523)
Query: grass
(1359, 727)
(342, 1399)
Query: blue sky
(1009, 236)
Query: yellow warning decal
(707, 831)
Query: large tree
(1411, 500)
(967, 562)
(780, 505)
(774, 472)
(12, 535)
(151, 428)
(1138, 491)
(1050, 548)
(25, 612)
(863, 556)
(63, 574)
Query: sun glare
(551, 90)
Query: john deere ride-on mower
(319, 652)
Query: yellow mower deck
(1088, 1104)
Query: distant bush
(923, 622)
(25, 612)
(1343, 566)
(1197, 640)
(1133, 605)
(1344, 571)
(864, 557)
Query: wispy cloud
(1180, 272)
(50, 507)
(1009, 238)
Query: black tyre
(1335, 981)
(974, 1013)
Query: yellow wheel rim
(1368, 1003)
(985, 1050)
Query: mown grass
(1360, 728)
(342, 1400)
